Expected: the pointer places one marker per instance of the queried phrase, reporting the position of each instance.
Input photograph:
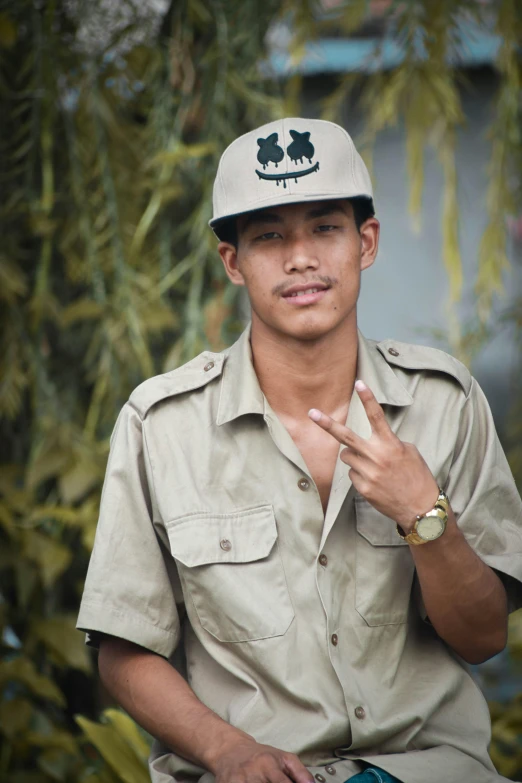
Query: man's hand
(390, 474)
(249, 762)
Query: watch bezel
(440, 510)
(438, 513)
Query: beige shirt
(303, 629)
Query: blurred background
(113, 114)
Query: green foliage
(108, 274)
(506, 741)
(121, 746)
(110, 136)
(506, 142)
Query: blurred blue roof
(475, 47)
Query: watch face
(430, 528)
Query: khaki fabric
(207, 552)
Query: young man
(304, 538)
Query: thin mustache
(282, 287)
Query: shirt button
(360, 713)
(335, 640)
(225, 544)
(208, 366)
(320, 778)
(393, 351)
(303, 484)
(331, 770)
(323, 560)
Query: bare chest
(319, 451)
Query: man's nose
(300, 255)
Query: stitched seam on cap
(221, 168)
(223, 189)
(351, 147)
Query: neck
(296, 375)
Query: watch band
(440, 510)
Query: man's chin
(308, 327)
(307, 330)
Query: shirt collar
(376, 373)
(241, 393)
(240, 389)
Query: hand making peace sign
(390, 474)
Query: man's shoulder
(423, 358)
(196, 373)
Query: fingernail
(360, 386)
(314, 414)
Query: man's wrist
(406, 521)
(220, 741)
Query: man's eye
(268, 235)
(326, 227)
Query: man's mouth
(300, 289)
(305, 293)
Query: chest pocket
(384, 568)
(232, 573)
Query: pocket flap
(376, 528)
(241, 536)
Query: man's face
(301, 265)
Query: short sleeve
(484, 496)
(130, 587)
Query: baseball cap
(287, 161)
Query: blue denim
(373, 775)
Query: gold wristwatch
(429, 526)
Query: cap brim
(215, 223)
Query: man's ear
(228, 255)
(369, 232)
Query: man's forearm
(465, 600)
(161, 701)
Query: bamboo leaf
(80, 479)
(182, 152)
(48, 462)
(120, 756)
(55, 763)
(13, 282)
(6, 517)
(22, 670)
(15, 715)
(54, 739)
(63, 641)
(51, 557)
(80, 310)
(26, 575)
(8, 32)
(129, 731)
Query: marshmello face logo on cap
(270, 152)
